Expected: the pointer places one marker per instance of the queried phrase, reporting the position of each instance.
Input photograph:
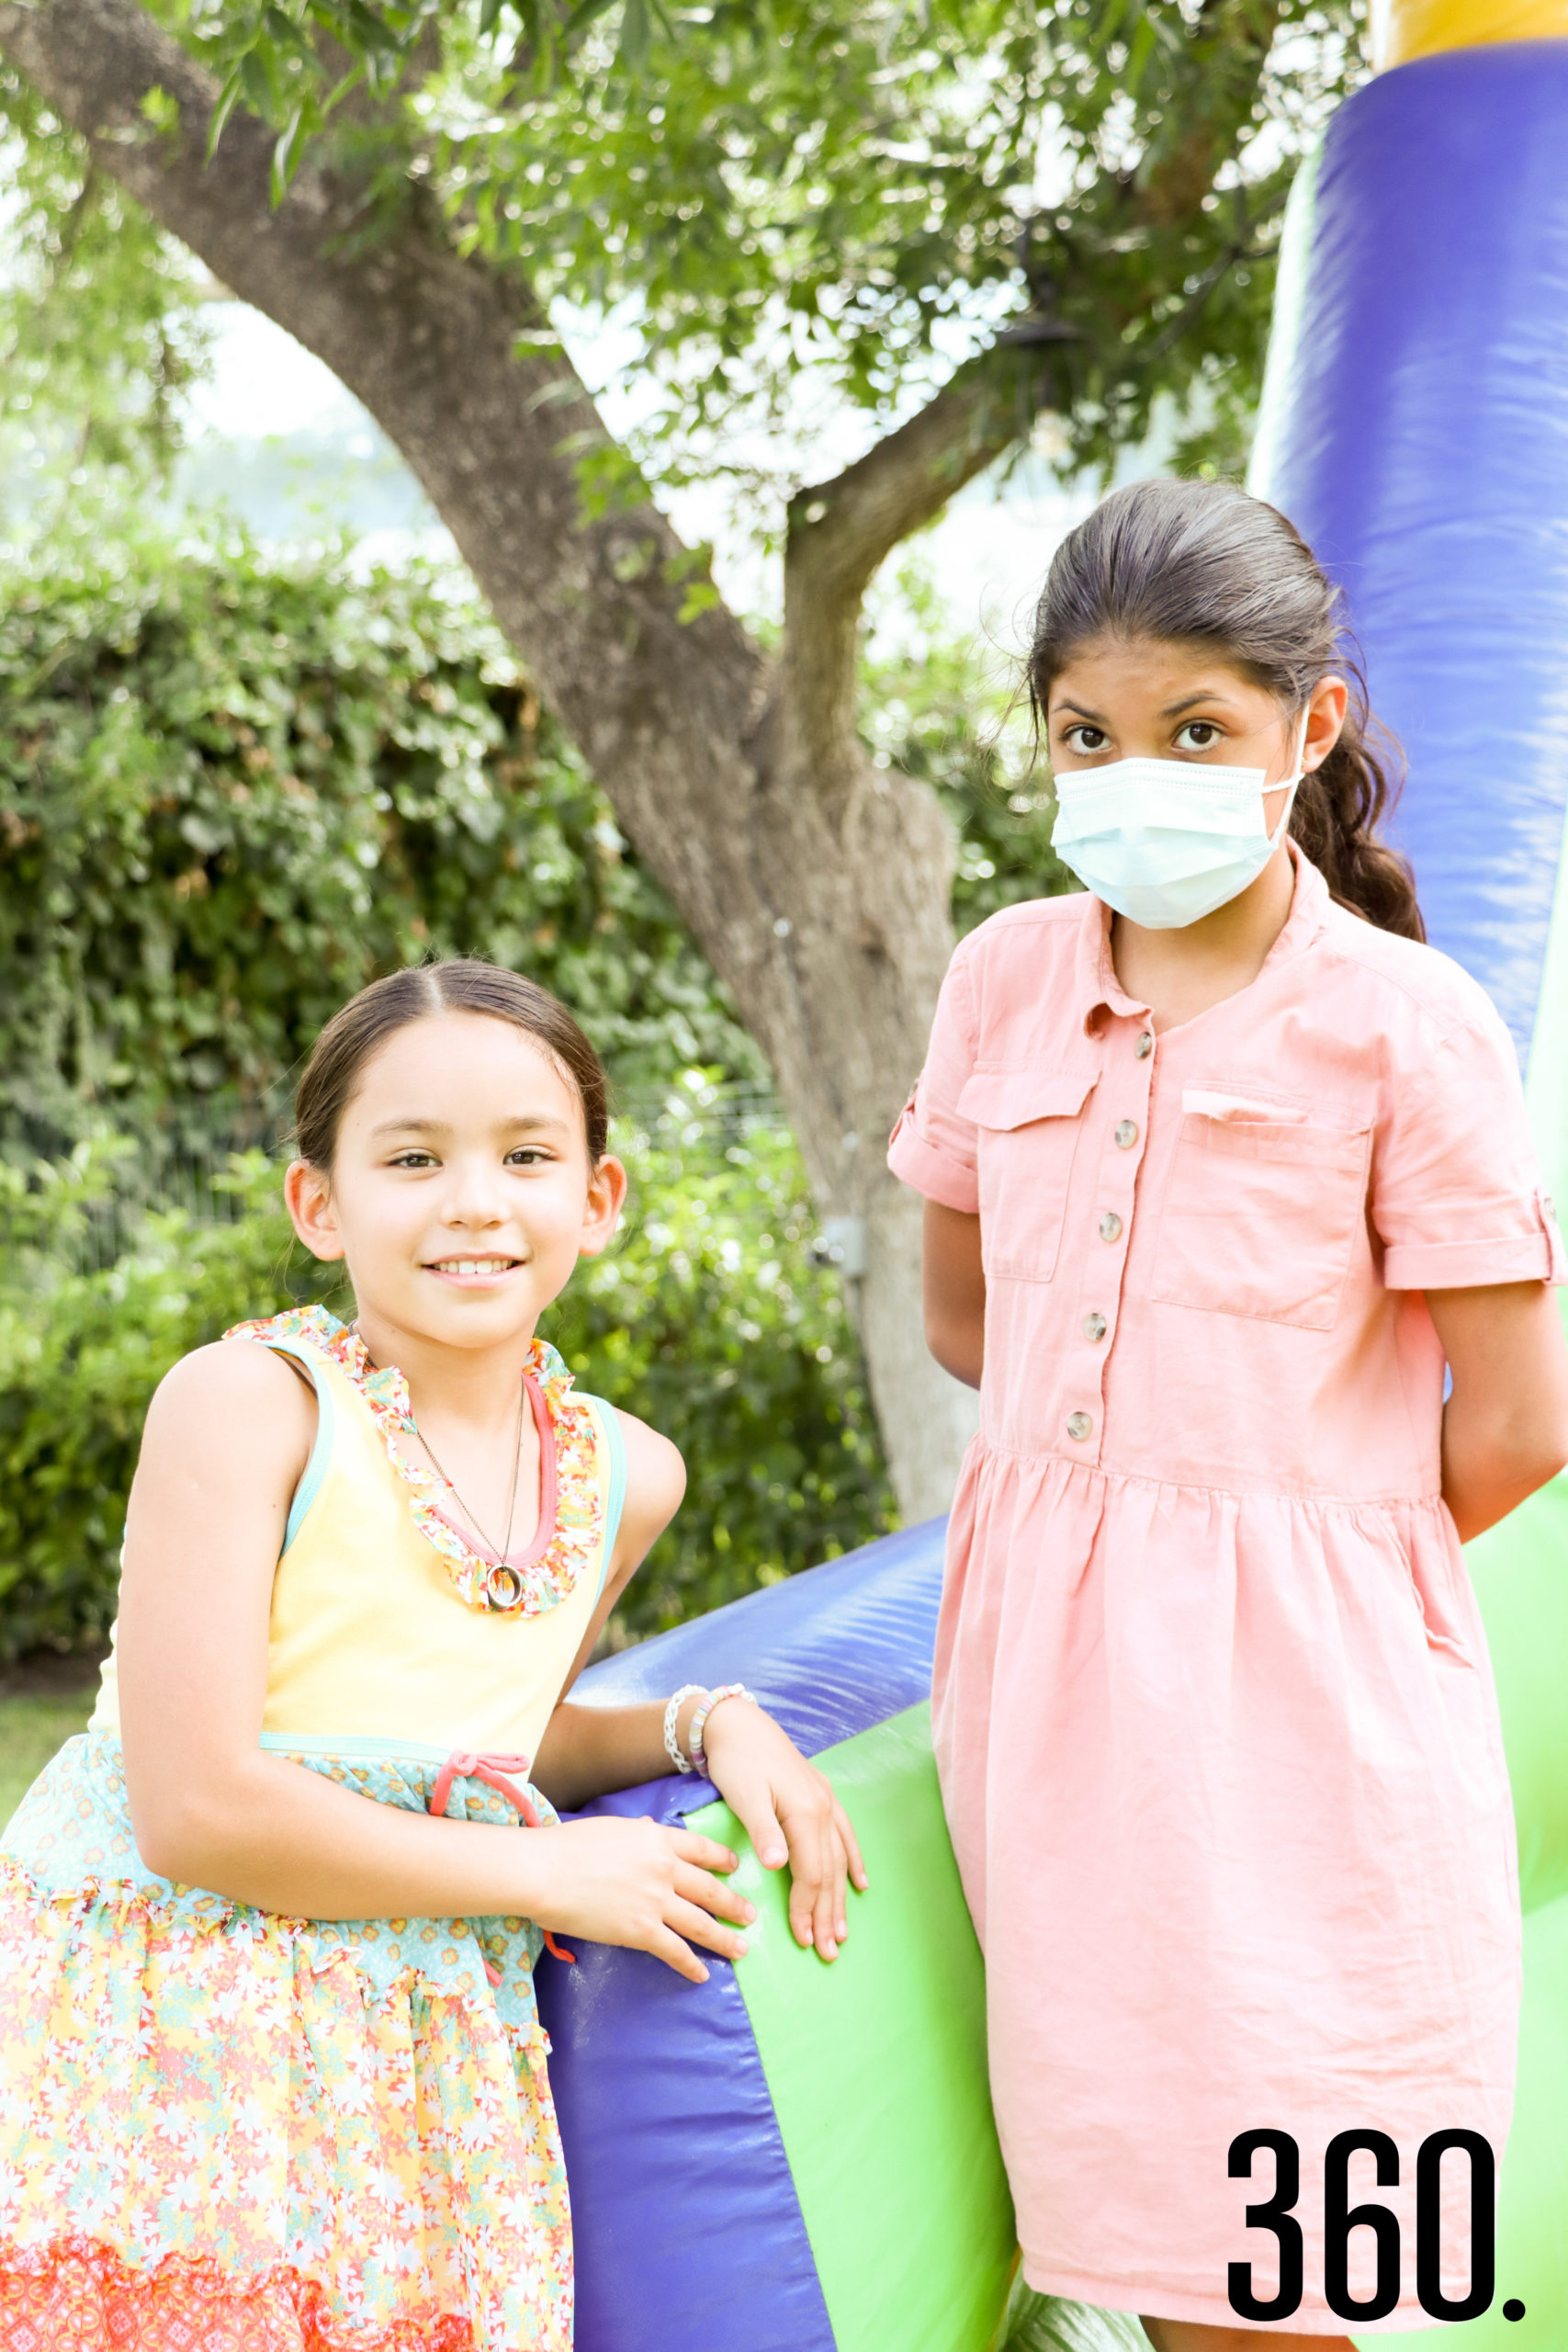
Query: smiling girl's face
(462, 1193)
(1151, 699)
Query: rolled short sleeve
(931, 1148)
(1457, 1197)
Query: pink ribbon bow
(494, 1771)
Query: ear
(606, 1198)
(1325, 720)
(307, 1192)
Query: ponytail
(1203, 563)
(1336, 816)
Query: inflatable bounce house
(795, 2158)
(1414, 428)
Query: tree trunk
(817, 884)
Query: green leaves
(81, 1353)
(709, 1319)
(763, 191)
(99, 337)
(232, 788)
(292, 64)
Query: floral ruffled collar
(570, 1530)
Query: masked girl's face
(462, 1193)
(1149, 698)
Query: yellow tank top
(388, 1628)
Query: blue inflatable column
(1415, 428)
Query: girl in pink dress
(1223, 1166)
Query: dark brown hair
(462, 984)
(1202, 563)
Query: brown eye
(1199, 735)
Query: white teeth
(473, 1265)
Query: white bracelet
(699, 1721)
(671, 1745)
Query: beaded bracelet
(699, 1721)
(671, 1745)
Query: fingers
(701, 1887)
(812, 1912)
(824, 1859)
(690, 1920)
(760, 1822)
(832, 1905)
(851, 1846)
(705, 1852)
(666, 1945)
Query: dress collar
(569, 1539)
(1096, 989)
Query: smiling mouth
(472, 1265)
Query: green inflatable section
(1521, 1577)
(887, 2124)
(900, 2180)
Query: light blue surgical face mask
(1165, 841)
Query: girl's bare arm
(1506, 1423)
(227, 1439)
(953, 1290)
(786, 1806)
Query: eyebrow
(1205, 693)
(1171, 710)
(525, 1123)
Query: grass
(1045, 2324)
(32, 1726)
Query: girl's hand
(642, 1885)
(788, 1810)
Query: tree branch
(429, 341)
(841, 531)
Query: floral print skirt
(226, 2131)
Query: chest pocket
(1029, 1127)
(1262, 1209)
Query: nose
(474, 1195)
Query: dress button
(1094, 1327)
(1111, 1227)
(1079, 1425)
(1144, 1045)
(1127, 1135)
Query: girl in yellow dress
(271, 2073)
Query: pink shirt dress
(1213, 1711)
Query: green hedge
(707, 1318)
(234, 788)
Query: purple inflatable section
(1424, 454)
(687, 2229)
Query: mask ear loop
(1281, 830)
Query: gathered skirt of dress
(226, 2131)
(1225, 1779)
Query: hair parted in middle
(460, 984)
(1205, 563)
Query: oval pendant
(503, 1587)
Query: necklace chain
(502, 1550)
